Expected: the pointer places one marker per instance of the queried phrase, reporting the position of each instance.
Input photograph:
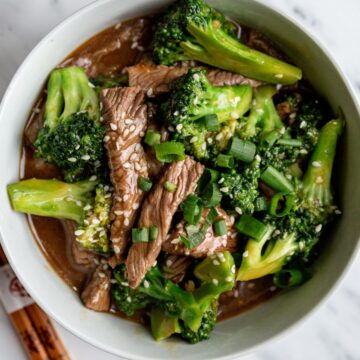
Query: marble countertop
(332, 333)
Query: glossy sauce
(107, 53)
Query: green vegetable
(169, 151)
(225, 161)
(242, 150)
(152, 137)
(274, 204)
(153, 234)
(163, 325)
(251, 227)
(145, 184)
(210, 122)
(211, 195)
(86, 202)
(193, 97)
(169, 186)
(260, 204)
(192, 209)
(220, 227)
(192, 30)
(139, 235)
(285, 279)
(276, 180)
(72, 136)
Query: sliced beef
(96, 295)
(175, 267)
(79, 254)
(212, 244)
(155, 80)
(158, 210)
(125, 114)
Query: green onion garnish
(260, 204)
(276, 180)
(208, 177)
(242, 150)
(192, 209)
(288, 204)
(220, 227)
(169, 151)
(152, 137)
(290, 142)
(210, 122)
(139, 235)
(145, 184)
(251, 227)
(270, 138)
(225, 161)
(285, 279)
(211, 195)
(153, 233)
(170, 187)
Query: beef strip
(175, 267)
(96, 295)
(125, 114)
(156, 79)
(212, 244)
(78, 253)
(158, 210)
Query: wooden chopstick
(38, 335)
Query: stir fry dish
(177, 171)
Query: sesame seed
(250, 285)
(142, 134)
(77, 147)
(87, 207)
(246, 253)
(316, 163)
(193, 139)
(137, 167)
(126, 213)
(238, 210)
(126, 132)
(279, 76)
(236, 293)
(79, 232)
(105, 266)
(117, 26)
(135, 206)
(91, 85)
(233, 269)
(318, 228)
(85, 157)
(216, 263)
(171, 128)
(36, 110)
(224, 189)
(319, 180)
(101, 274)
(118, 212)
(176, 113)
(128, 121)
(196, 77)
(209, 140)
(282, 130)
(229, 279)
(203, 146)
(218, 136)
(337, 212)
(272, 288)
(179, 127)
(113, 281)
(302, 124)
(234, 115)
(221, 181)
(260, 111)
(126, 222)
(303, 151)
(150, 92)
(125, 197)
(175, 241)
(146, 284)
(96, 221)
(93, 178)
(277, 232)
(128, 299)
(126, 165)
(72, 159)
(116, 249)
(292, 116)
(132, 128)
(113, 126)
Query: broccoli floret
(207, 326)
(192, 30)
(163, 325)
(72, 136)
(86, 202)
(267, 254)
(316, 194)
(263, 117)
(192, 99)
(241, 187)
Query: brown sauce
(107, 53)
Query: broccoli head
(192, 30)
(202, 114)
(72, 135)
(87, 202)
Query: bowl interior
(231, 337)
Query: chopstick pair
(36, 332)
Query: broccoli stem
(52, 198)
(221, 50)
(55, 100)
(317, 179)
(163, 325)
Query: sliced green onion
(152, 137)
(285, 279)
(270, 138)
(170, 187)
(145, 184)
(251, 227)
(139, 235)
(169, 151)
(290, 142)
(153, 233)
(208, 177)
(225, 161)
(210, 122)
(192, 209)
(274, 204)
(211, 195)
(276, 180)
(220, 227)
(260, 204)
(242, 150)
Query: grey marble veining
(332, 332)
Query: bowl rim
(120, 352)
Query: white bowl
(238, 335)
